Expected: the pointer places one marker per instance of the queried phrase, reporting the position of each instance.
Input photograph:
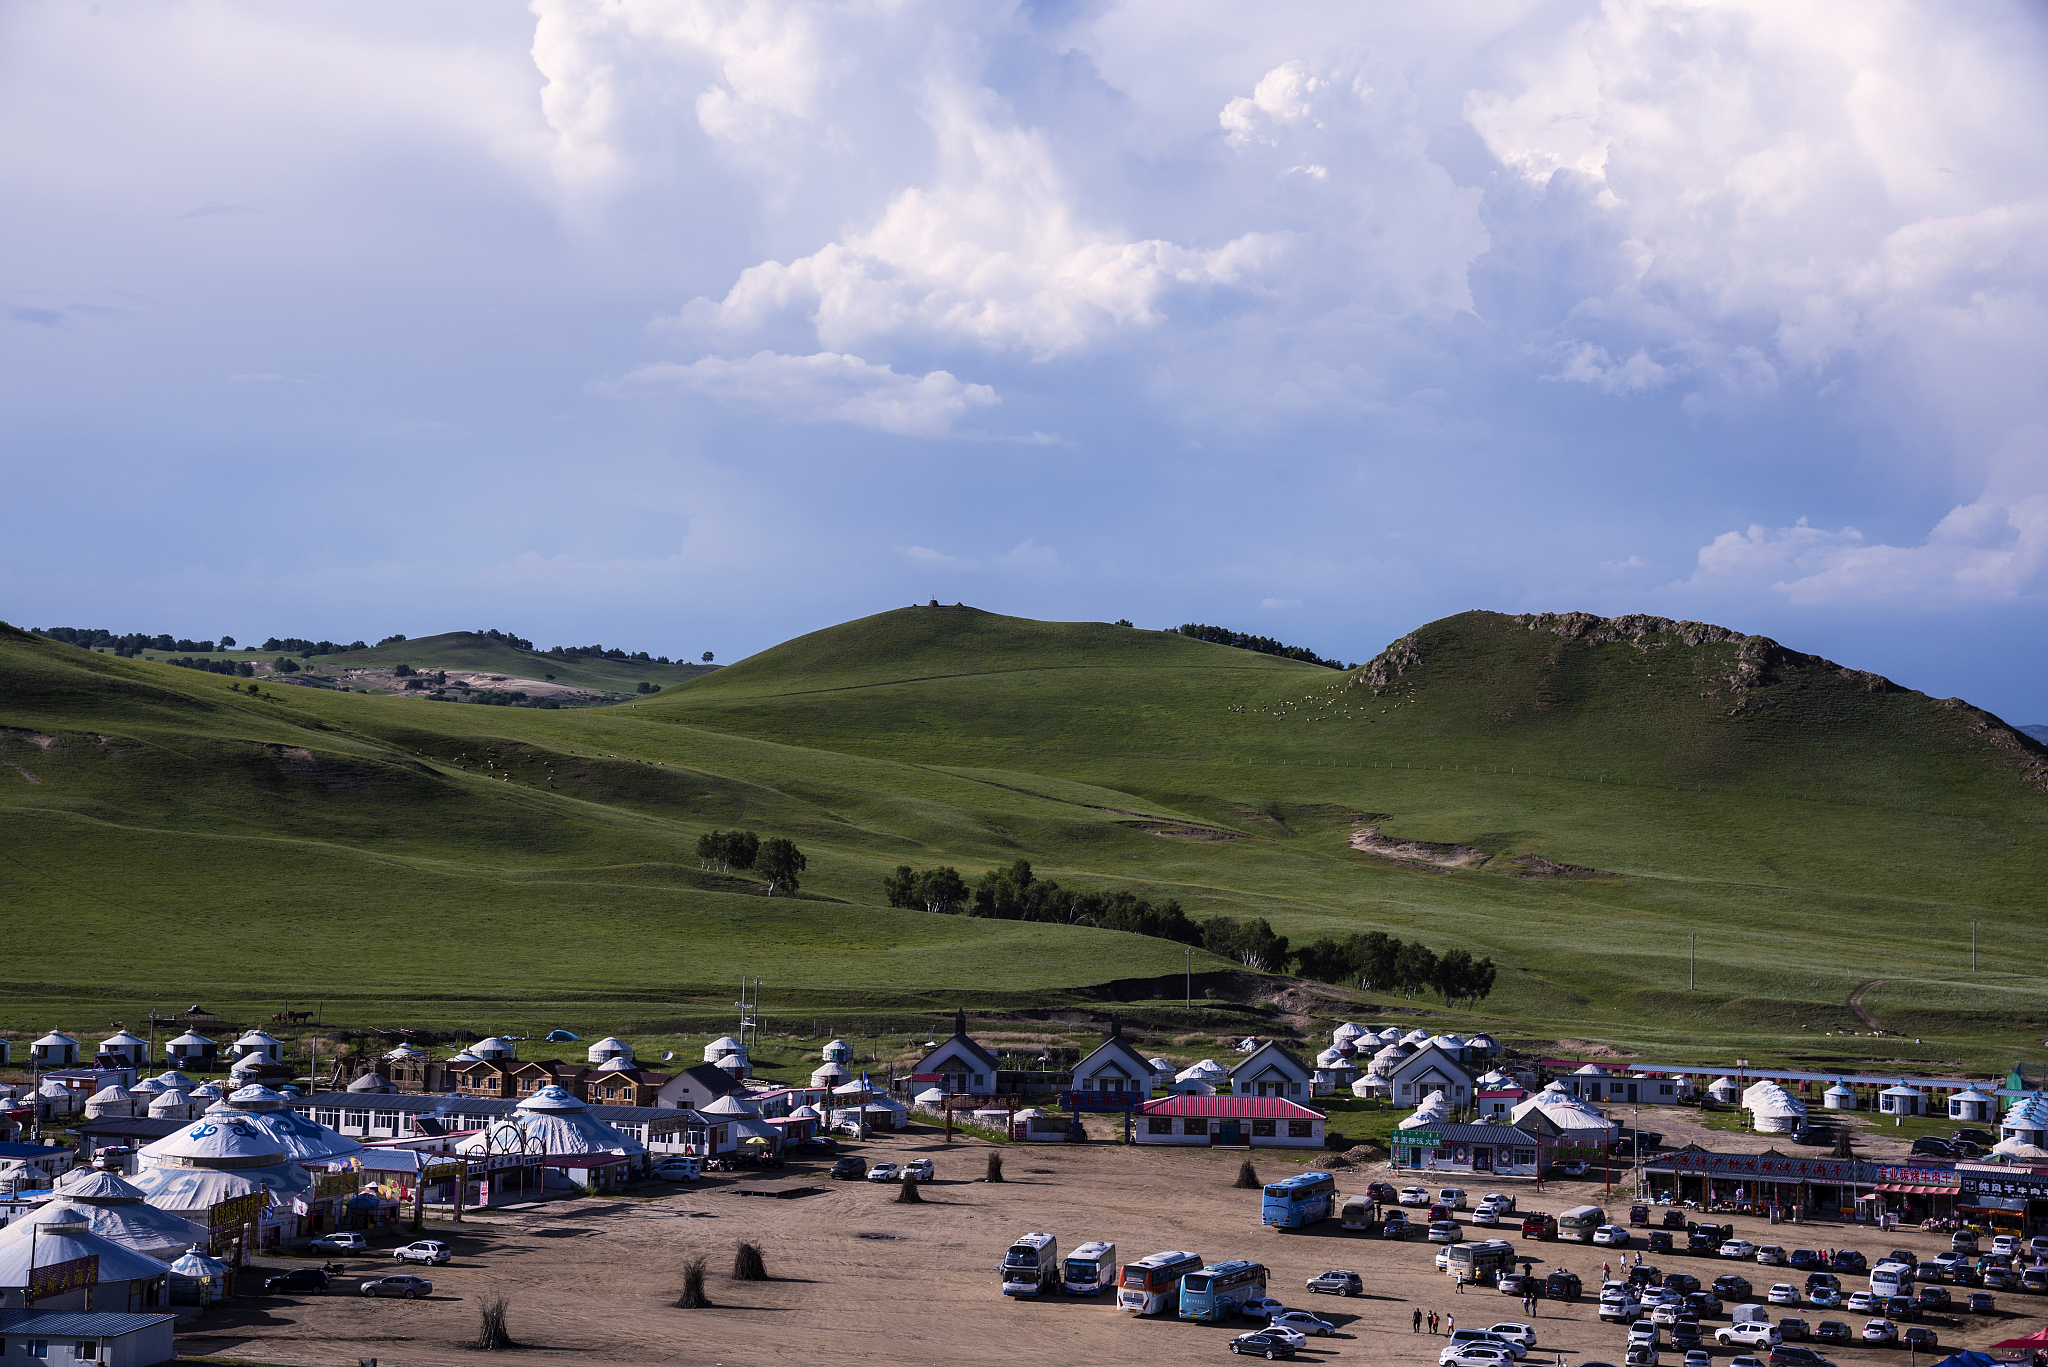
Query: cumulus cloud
(1279, 602)
(826, 387)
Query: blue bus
(1293, 1202)
(1219, 1291)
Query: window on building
(1294, 1089)
(330, 1118)
(1264, 1129)
(1159, 1125)
(1300, 1129)
(357, 1120)
(87, 1351)
(977, 1079)
(1525, 1158)
(1195, 1127)
(387, 1120)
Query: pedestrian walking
(1450, 1325)
(1416, 1327)
(1461, 1283)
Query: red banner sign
(58, 1278)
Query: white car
(1754, 1334)
(678, 1172)
(1413, 1196)
(1486, 1215)
(423, 1251)
(1302, 1322)
(1501, 1203)
(1454, 1197)
(1738, 1248)
(1642, 1331)
(1514, 1332)
(1880, 1332)
(1288, 1335)
(1770, 1255)
(918, 1170)
(1612, 1236)
(2037, 1247)
(1862, 1303)
(1620, 1309)
(2008, 1244)
(342, 1243)
(1666, 1313)
(1475, 1355)
(1261, 1308)
(1824, 1298)
(1784, 1293)
(884, 1172)
(1445, 1232)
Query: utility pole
(1692, 972)
(1973, 946)
(1189, 987)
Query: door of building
(1228, 1134)
(1482, 1159)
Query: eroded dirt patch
(1368, 840)
(1536, 866)
(1172, 831)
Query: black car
(1921, 1338)
(298, 1279)
(1685, 1334)
(1848, 1260)
(1900, 1308)
(1834, 1331)
(1983, 1303)
(1703, 1303)
(1816, 1280)
(1815, 1135)
(849, 1169)
(1977, 1136)
(1805, 1259)
(1932, 1297)
(1262, 1343)
(1561, 1286)
(1792, 1355)
(1644, 1274)
(1639, 1215)
(1902, 1255)
(1660, 1241)
(1731, 1287)
(1965, 1149)
(1930, 1147)
(1681, 1282)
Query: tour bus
(1892, 1279)
(1031, 1266)
(1578, 1223)
(1219, 1291)
(1152, 1284)
(1090, 1268)
(1480, 1261)
(1293, 1202)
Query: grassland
(444, 865)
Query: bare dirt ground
(861, 1279)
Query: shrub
(693, 1297)
(491, 1334)
(995, 1167)
(907, 1194)
(747, 1265)
(1247, 1177)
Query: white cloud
(1634, 562)
(826, 387)
(1279, 602)
(1587, 364)
(925, 555)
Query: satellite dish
(667, 1054)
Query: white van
(1750, 1314)
(1892, 1279)
(1578, 1223)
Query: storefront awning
(1903, 1190)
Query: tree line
(1264, 645)
(130, 644)
(776, 859)
(1380, 963)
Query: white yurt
(722, 1046)
(198, 1278)
(1346, 1032)
(247, 1069)
(112, 1099)
(609, 1048)
(616, 1065)
(171, 1105)
(491, 1050)
(736, 1065)
(173, 1078)
(2019, 1151)
(1191, 1082)
(1973, 1105)
(259, 1042)
(1724, 1090)
(131, 1049)
(1483, 1046)
(213, 1159)
(303, 1138)
(462, 1056)
(1840, 1097)
(192, 1050)
(1773, 1110)
(60, 1232)
(838, 1051)
(1333, 1070)
(1454, 1044)
(808, 1112)
(1902, 1100)
(2026, 1121)
(404, 1053)
(729, 1105)
(1434, 1110)
(553, 1122)
(369, 1084)
(1494, 1080)
(208, 1093)
(1371, 1086)
(117, 1211)
(930, 1096)
(1418, 1038)
(149, 1087)
(829, 1075)
(1565, 1111)
(58, 1101)
(54, 1050)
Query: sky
(692, 325)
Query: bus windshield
(1021, 1257)
(1081, 1269)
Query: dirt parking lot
(860, 1278)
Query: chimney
(960, 1018)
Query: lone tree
(1247, 1177)
(779, 861)
(693, 1297)
(908, 1194)
(747, 1265)
(707, 657)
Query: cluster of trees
(1264, 645)
(571, 654)
(775, 859)
(1380, 963)
(242, 668)
(516, 642)
(299, 645)
(1015, 893)
(1250, 942)
(131, 644)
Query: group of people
(1449, 1322)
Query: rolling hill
(1576, 797)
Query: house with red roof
(1229, 1122)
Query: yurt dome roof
(724, 1042)
(56, 1039)
(369, 1082)
(728, 1105)
(1589, 1070)
(1415, 1037)
(208, 1091)
(464, 1056)
(611, 1042)
(1902, 1090)
(1347, 1030)
(96, 1185)
(113, 1091)
(171, 1077)
(197, 1263)
(170, 1100)
(1159, 1065)
(491, 1045)
(149, 1086)
(119, 1039)
(190, 1038)
(52, 1087)
(552, 1098)
(218, 1141)
(406, 1051)
(1970, 1094)
(256, 1097)
(732, 1063)
(259, 1037)
(930, 1096)
(249, 1063)
(1840, 1089)
(616, 1065)
(2020, 1149)
(806, 1113)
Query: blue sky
(696, 324)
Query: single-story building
(1272, 1071)
(1114, 1067)
(1229, 1122)
(1430, 1068)
(1478, 1150)
(397, 1115)
(106, 1338)
(959, 1064)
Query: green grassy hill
(1816, 828)
(469, 650)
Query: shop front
(2008, 1202)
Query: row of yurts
(145, 1225)
(176, 1096)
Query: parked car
(2037, 1247)
(298, 1279)
(1514, 1331)
(1266, 1343)
(1902, 1255)
(1833, 1331)
(1882, 1333)
(2034, 1279)
(1862, 1303)
(1963, 1241)
(1454, 1197)
(1501, 1202)
(1382, 1192)
(1754, 1334)
(1516, 1283)
(1445, 1232)
(1475, 1355)
(1658, 1241)
(1645, 1274)
(1737, 1248)
(1685, 1334)
(1611, 1236)
(1681, 1282)
(1933, 1298)
(1792, 1327)
(884, 1172)
(2005, 1244)
(1486, 1215)
(1698, 1357)
(1998, 1278)
(1930, 1147)
(1848, 1260)
(1674, 1218)
(1945, 1261)
(1816, 1280)
(1982, 1303)
(343, 1242)
(679, 1172)
(1730, 1287)
(402, 1285)
(1769, 1255)
(1337, 1282)
(1414, 1196)
(848, 1169)
(1641, 1355)
(1294, 1338)
(1815, 1134)
(1397, 1225)
(1639, 1215)
(1794, 1355)
(1784, 1293)
(1514, 1347)
(1562, 1286)
(1920, 1338)
(920, 1170)
(1824, 1298)
(1538, 1225)
(1261, 1308)
(1619, 1307)
(1805, 1259)
(423, 1251)
(1302, 1322)
(1984, 1137)
(1574, 1167)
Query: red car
(1383, 1192)
(1674, 1219)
